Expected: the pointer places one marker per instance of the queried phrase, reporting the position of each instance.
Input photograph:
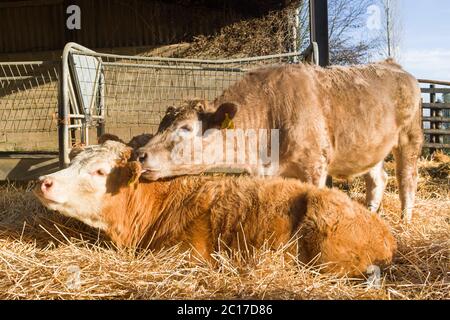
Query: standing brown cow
(338, 121)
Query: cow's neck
(144, 214)
(254, 111)
(131, 210)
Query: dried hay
(41, 253)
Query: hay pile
(270, 33)
(41, 254)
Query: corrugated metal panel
(40, 25)
(30, 25)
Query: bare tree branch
(346, 18)
(391, 32)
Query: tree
(347, 20)
(392, 29)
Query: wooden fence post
(432, 114)
(435, 124)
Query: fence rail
(436, 114)
(436, 105)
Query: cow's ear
(125, 155)
(200, 105)
(139, 141)
(124, 175)
(223, 116)
(134, 170)
(171, 110)
(76, 149)
(107, 136)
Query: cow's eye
(100, 172)
(186, 127)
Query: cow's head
(78, 191)
(181, 125)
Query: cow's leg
(406, 155)
(376, 180)
(406, 172)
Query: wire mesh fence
(28, 105)
(137, 92)
(28, 96)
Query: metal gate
(128, 95)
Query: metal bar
(158, 66)
(16, 78)
(63, 111)
(319, 29)
(101, 105)
(219, 61)
(311, 54)
(24, 63)
(82, 116)
(73, 46)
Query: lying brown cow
(101, 188)
(338, 121)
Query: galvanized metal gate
(128, 95)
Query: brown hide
(239, 212)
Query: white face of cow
(78, 191)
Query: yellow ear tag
(227, 122)
(133, 180)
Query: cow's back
(262, 209)
(352, 114)
(326, 224)
(365, 108)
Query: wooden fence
(436, 114)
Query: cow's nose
(46, 185)
(142, 156)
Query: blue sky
(425, 47)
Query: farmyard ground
(47, 256)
